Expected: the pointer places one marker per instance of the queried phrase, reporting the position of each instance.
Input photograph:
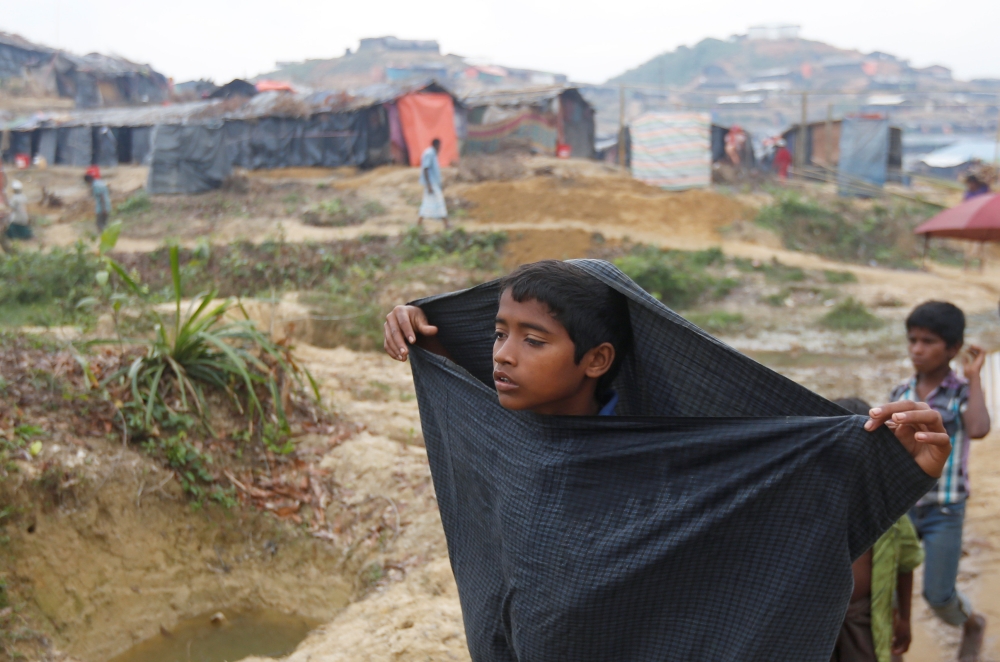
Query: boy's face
(533, 362)
(928, 350)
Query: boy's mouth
(503, 382)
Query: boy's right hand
(402, 326)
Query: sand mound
(524, 246)
(623, 203)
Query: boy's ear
(599, 360)
(953, 350)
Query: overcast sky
(586, 39)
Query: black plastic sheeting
(75, 146)
(105, 147)
(141, 144)
(327, 140)
(20, 143)
(47, 142)
(238, 143)
(188, 159)
(723, 495)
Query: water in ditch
(237, 635)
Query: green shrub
(843, 230)
(202, 350)
(475, 250)
(850, 315)
(45, 287)
(717, 321)
(677, 278)
(136, 203)
(840, 277)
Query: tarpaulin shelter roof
(976, 219)
(961, 152)
(522, 96)
(265, 104)
(181, 113)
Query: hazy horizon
(225, 40)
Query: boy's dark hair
(89, 178)
(591, 312)
(940, 317)
(854, 405)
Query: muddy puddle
(207, 638)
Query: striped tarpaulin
(672, 150)
(527, 128)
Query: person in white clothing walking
(433, 205)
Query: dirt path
(979, 571)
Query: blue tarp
(864, 155)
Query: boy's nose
(503, 356)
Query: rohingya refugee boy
(560, 336)
(873, 631)
(935, 334)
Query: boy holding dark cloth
(614, 483)
(935, 334)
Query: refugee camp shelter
(537, 120)
(952, 161)
(672, 150)
(101, 136)
(746, 153)
(193, 147)
(849, 141)
(92, 80)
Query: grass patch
(680, 279)
(135, 204)
(850, 315)
(717, 321)
(839, 277)
(881, 233)
(474, 251)
(337, 212)
(44, 288)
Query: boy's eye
(498, 335)
(533, 342)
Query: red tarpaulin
(976, 219)
(425, 117)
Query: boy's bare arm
(901, 626)
(976, 417)
(408, 325)
(919, 428)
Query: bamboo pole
(800, 148)
(621, 126)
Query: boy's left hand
(973, 360)
(919, 428)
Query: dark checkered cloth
(714, 519)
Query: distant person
(19, 226)
(883, 576)
(433, 205)
(736, 138)
(935, 332)
(974, 186)
(782, 159)
(102, 199)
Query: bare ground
(407, 608)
